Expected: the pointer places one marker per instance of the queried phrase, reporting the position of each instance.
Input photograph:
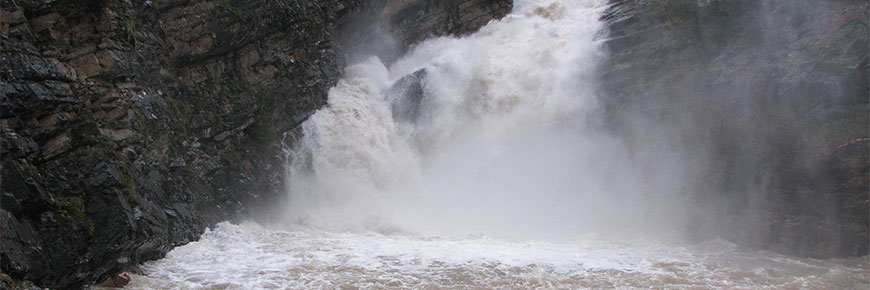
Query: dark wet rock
(855, 86)
(32, 67)
(406, 95)
(116, 281)
(772, 94)
(127, 128)
(17, 145)
(419, 20)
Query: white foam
(249, 256)
(507, 143)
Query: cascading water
(480, 162)
(500, 138)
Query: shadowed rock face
(770, 95)
(400, 24)
(128, 127)
(405, 97)
(418, 20)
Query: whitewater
(482, 162)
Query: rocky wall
(771, 97)
(418, 20)
(128, 127)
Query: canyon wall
(770, 97)
(128, 127)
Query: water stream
(481, 162)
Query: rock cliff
(128, 127)
(771, 100)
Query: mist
(573, 144)
(505, 137)
(754, 103)
(521, 131)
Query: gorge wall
(770, 97)
(128, 127)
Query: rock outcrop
(770, 96)
(128, 127)
(418, 20)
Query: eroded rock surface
(128, 127)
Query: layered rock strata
(128, 127)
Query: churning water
(480, 162)
(248, 256)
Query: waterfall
(497, 133)
(482, 162)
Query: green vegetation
(129, 189)
(129, 26)
(262, 132)
(75, 204)
(313, 18)
(232, 9)
(71, 210)
(177, 108)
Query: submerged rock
(406, 95)
(116, 281)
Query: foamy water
(252, 257)
(507, 141)
(503, 179)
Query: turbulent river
(248, 256)
(482, 162)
